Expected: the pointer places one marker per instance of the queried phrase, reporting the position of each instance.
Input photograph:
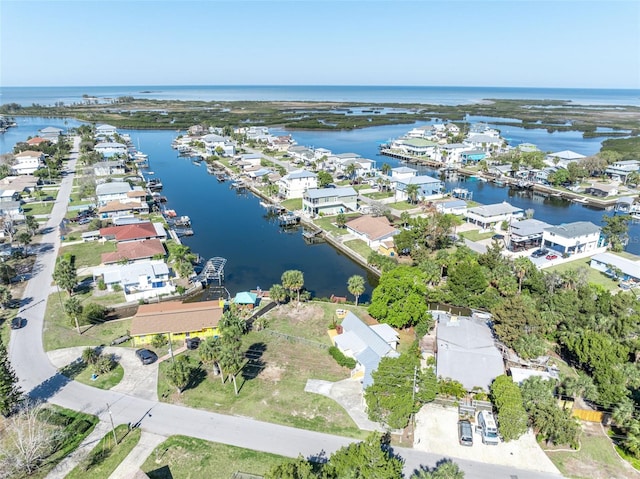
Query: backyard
(89, 253)
(593, 275)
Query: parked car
(486, 425)
(192, 343)
(539, 253)
(465, 433)
(497, 237)
(551, 256)
(18, 322)
(146, 356)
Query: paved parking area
(437, 432)
(138, 380)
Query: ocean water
(436, 95)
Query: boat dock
(288, 219)
(410, 158)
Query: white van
(488, 428)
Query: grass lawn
(293, 204)
(37, 208)
(593, 275)
(181, 457)
(107, 455)
(88, 254)
(328, 223)
(272, 382)
(475, 235)
(59, 332)
(81, 373)
(359, 247)
(378, 195)
(596, 458)
(402, 206)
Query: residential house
(490, 216)
(452, 207)
(50, 133)
(602, 189)
(176, 320)
(249, 159)
(123, 208)
(373, 230)
(246, 299)
(295, 183)
(329, 201)
(525, 234)
(427, 187)
(259, 173)
(139, 280)
(24, 183)
(573, 238)
(301, 155)
(426, 132)
(366, 344)
(216, 143)
(466, 351)
(27, 162)
(318, 153)
(617, 266)
(134, 232)
(403, 172)
(472, 156)
(562, 158)
(112, 191)
(108, 168)
(527, 147)
(620, 170)
(387, 248)
(9, 195)
(451, 153)
(12, 209)
(134, 251)
(111, 148)
(281, 143)
(484, 142)
(452, 128)
(500, 171)
(415, 147)
(37, 141)
(106, 131)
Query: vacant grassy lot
(328, 223)
(88, 254)
(402, 205)
(359, 246)
(38, 208)
(280, 360)
(593, 275)
(378, 195)
(292, 204)
(475, 235)
(107, 455)
(181, 457)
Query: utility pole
(113, 429)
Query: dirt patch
(271, 373)
(301, 313)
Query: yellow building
(388, 248)
(180, 320)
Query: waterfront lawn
(89, 253)
(182, 457)
(359, 247)
(475, 235)
(106, 456)
(593, 275)
(293, 204)
(38, 208)
(328, 224)
(59, 330)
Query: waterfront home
(500, 171)
(112, 191)
(329, 201)
(50, 133)
(452, 207)
(319, 153)
(366, 344)
(472, 156)
(294, 184)
(111, 148)
(216, 144)
(281, 143)
(259, 173)
(37, 141)
(572, 238)
(403, 172)
(27, 162)
(373, 230)
(362, 166)
(527, 147)
(466, 351)
(490, 216)
(133, 251)
(176, 320)
(452, 128)
(140, 280)
(134, 232)
(563, 158)
(451, 153)
(301, 155)
(428, 187)
(249, 159)
(483, 141)
(116, 208)
(426, 132)
(617, 266)
(525, 234)
(108, 168)
(602, 189)
(105, 131)
(415, 147)
(620, 170)
(246, 299)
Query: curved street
(40, 379)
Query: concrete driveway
(139, 380)
(437, 432)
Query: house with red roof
(37, 140)
(135, 251)
(134, 232)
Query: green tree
(180, 373)
(232, 327)
(516, 317)
(65, 275)
(24, 238)
(293, 280)
(445, 469)
(90, 355)
(181, 257)
(93, 313)
(5, 297)
(324, 179)
(210, 352)
(32, 224)
(10, 393)
(278, 293)
(7, 273)
(369, 459)
(341, 220)
(399, 298)
(298, 468)
(512, 417)
(616, 230)
(412, 192)
(385, 168)
(74, 309)
(356, 286)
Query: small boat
(221, 177)
(170, 213)
(154, 184)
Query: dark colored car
(539, 253)
(146, 357)
(192, 343)
(18, 322)
(497, 237)
(465, 433)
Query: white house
(50, 133)
(140, 280)
(426, 132)
(427, 187)
(602, 189)
(301, 154)
(621, 170)
(108, 168)
(403, 172)
(294, 184)
(111, 148)
(366, 344)
(212, 144)
(562, 158)
(106, 131)
(113, 191)
(452, 207)
(12, 209)
(415, 146)
(485, 142)
(489, 216)
(373, 230)
(329, 201)
(614, 265)
(451, 153)
(573, 238)
(27, 162)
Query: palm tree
(385, 168)
(412, 192)
(356, 287)
(521, 266)
(350, 170)
(293, 280)
(278, 293)
(209, 352)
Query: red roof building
(134, 251)
(134, 232)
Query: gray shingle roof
(487, 211)
(574, 230)
(315, 193)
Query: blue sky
(511, 43)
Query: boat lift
(213, 271)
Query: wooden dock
(411, 159)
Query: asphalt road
(40, 380)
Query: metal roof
(574, 230)
(315, 193)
